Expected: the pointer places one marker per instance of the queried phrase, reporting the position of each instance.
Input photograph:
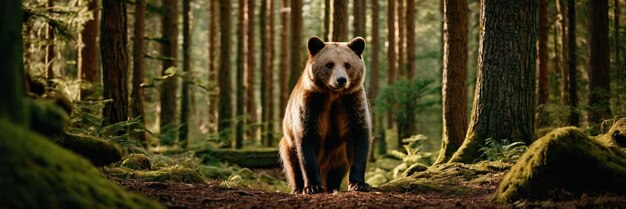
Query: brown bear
(327, 124)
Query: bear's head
(336, 66)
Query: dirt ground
(211, 195)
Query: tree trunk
(241, 38)
(296, 44)
(379, 129)
(618, 63)
(213, 62)
(283, 66)
(268, 77)
(169, 49)
(410, 38)
(137, 92)
(454, 90)
(401, 38)
(88, 63)
(225, 108)
(504, 103)
(599, 68)
(359, 18)
(50, 50)
(327, 7)
(574, 117)
(542, 64)
(114, 61)
(251, 106)
(339, 23)
(563, 50)
(186, 101)
(391, 51)
(12, 73)
(264, 70)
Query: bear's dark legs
(359, 141)
(334, 178)
(293, 172)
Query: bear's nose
(341, 81)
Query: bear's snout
(341, 81)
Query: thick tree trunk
(268, 110)
(264, 71)
(504, 103)
(400, 18)
(50, 50)
(138, 73)
(12, 73)
(358, 7)
(114, 61)
(327, 7)
(599, 67)
(283, 66)
(88, 63)
(185, 103)
(374, 70)
(213, 62)
(454, 90)
(391, 51)
(169, 49)
(563, 50)
(574, 117)
(542, 64)
(296, 44)
(339, 22)
(251, 106)
(225, 108)
(618, 62)
(239, 111)
(410, 38)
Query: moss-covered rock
(36, 173)
(137, 162)
(615, 138)
(257, 158)
(565, 163)
(173, 173)
(98, 151)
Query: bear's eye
(347, 66)
(330, 65)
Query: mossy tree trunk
(339, 22)
(225, 115)
(240, 86)
(618, 63)
(185, 109)
(391, 51)
(283, 66)
(138, 68)
(295, 44)
(563, 50)
(114, 60)
(267, 77)
(542, 64)
(88, 58)
(250, 99)
(374, 70)
(11, 75)
(572, 88)
(599, 68)
(169, 49)
(504, 102)
(264, 62)
(213, 62)
(454, 90)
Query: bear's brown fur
(327, 124)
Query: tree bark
(563, 50)
(339, 22)
(454, 90)
(574, 117)
(618, 63)
(504, 103)
(240, 85)
(225, 103)
(213, 62)
(410, 38)
(391, 51)
(401, 38)
(268, 76)
(327, 7)
(114, 61)
(542, 63)
(88, 63)
(138, 70)
(283, 68)
(599, 67)
(264, 71)
(296, 44)
(185, 109)
(169, 49)
(12, 73)
(374, 70)
(251, 106)
(359, 18)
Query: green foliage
(137, 162)
(502, 150)
(396, 164)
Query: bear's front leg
(310, 143)
(310, 167)
(359, 140)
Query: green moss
(46, 117)
(414, 169)
(257, 158)
(36, 173)
(98, 151)
(173, 173)
(615, 138)
(564, 163)
(137, 162)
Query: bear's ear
(357, 45)
(315, 45)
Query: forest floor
(212, 195)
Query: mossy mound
(450, 178)
(137, 162)
(249, 158)
(46, 117)
(98, 151)
(36, 173)
(563, 164)
(173, 173)
(615, 138)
